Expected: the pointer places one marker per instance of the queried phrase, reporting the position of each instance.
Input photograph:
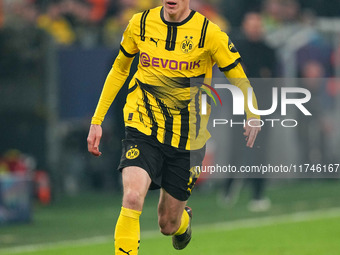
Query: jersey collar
(177, 23)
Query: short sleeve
(223, 50)
(128, 45)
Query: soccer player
(161, 149)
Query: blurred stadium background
(57, 199)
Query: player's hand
(93, 139)
(251, 131)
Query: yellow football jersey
(160, 101)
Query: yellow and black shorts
(169, 168)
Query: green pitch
(84, 225)
(304, 234)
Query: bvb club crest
(132, 153)
(187, 44)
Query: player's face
(176, 10)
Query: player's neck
(176, 17)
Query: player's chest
(172, 47)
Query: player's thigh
(142, 151)
(170, 207)
(180, 172)
(136, 182)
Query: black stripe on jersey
(149, 112)
(184, 128)
(198, 115)
(147, 106)
(126, 53)
(231, 66)
(142, 25)
(132, 88)
(169, 120)
(171, 38)
(203, 33)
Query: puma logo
(153, 40)
(127, 252)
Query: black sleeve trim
(126, 53)
(231, 66)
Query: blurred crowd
(84, 22)
(75, 21)
(90, 23)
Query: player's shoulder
(200, 18)
(211, 28)
(146, 14)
